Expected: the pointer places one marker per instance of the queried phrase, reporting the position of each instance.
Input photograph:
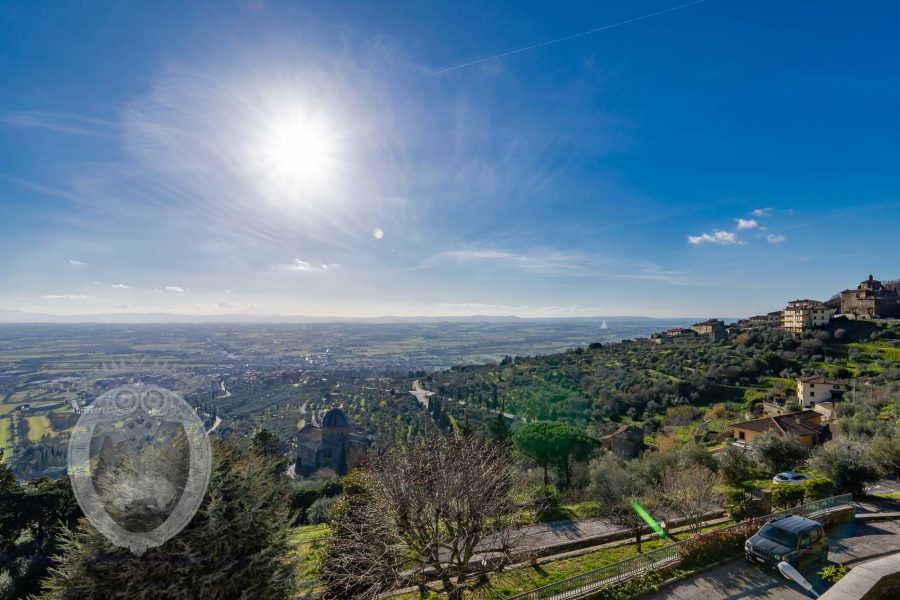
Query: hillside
(601, 387)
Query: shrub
(786, 495)
(681, 415)
(545, 501)
(740, 504)
(816, 488)
(628, 589)
(708, 548)
(320, 511)
(833, 573)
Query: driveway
(850, 543)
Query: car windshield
(785, 538)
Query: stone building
(627, 441)
(801, 315)
(714, 329)
(333, 444)
(675, 335)
(870, 300)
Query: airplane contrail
(568, 37)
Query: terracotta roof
(783, 423)
(816, 379)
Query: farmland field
(5, 438)
(38, 427)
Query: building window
(740, 435)
(812, 393)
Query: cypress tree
(236, 546)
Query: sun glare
(296, 151)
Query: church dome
(335, 418)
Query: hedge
(817, 488)
(786, 495)
(708, 548)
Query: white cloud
(76, 263)
(378, 233)
(746, 224)
(725, 238)
(775, 239)
(174, 288)
(303, 266)
(117, 286)
(761, 212)
(68, 297)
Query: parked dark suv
(791, 539)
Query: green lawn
(38, 426)
(5, 438)
(308, 541)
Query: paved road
(885, 486)
(421, 393)
(850, 543)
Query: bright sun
(296, 151)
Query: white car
(790, 477)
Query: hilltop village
(714, 383)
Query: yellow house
(805, 424)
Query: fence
(580, 585)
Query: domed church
(332, 444)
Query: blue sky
(317, 158)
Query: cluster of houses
(817, 397)
(870, 300)
(712, 330)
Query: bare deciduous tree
(690, 493)
(619, 487)
(438, 510)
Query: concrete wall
(874, 580)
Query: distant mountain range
(18, 316)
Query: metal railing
(580, 585)
(816, 506)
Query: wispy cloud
(746, 224)
(554, 263)
(303, 266)
(761, 212)
(174, 289)
(55, 121)
(67, 297)
(725, 238)
(76, 263)
(116, 286)
(550, 263)
(774, 238)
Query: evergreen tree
(236, 546)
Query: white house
(815, 390)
